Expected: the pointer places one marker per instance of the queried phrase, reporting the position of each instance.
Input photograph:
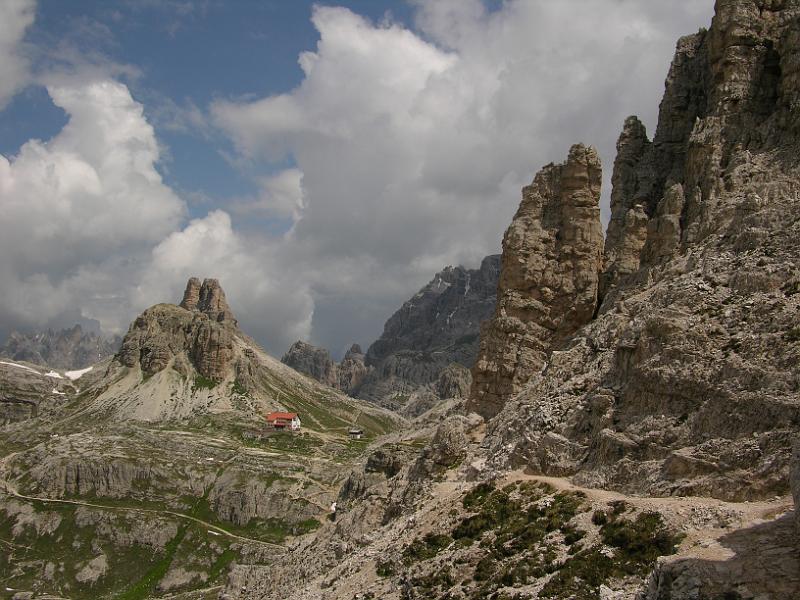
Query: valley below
(592, 415)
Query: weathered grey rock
(168, 336)
(200, 332)
(686, 382)
(68, 349)
(208, 299)
(93, 570)
(454, 382)
(312, 361)
(794, 480)
(27, 391)
(549, 278)
(438, 327)
(352, 370)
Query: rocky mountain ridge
(661, 364)
(317, 363)
(425, 351)
(431, 339)
(71, 348)
(686, 380)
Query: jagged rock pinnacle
(548, 285)
(209, 299)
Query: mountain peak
(207, 298)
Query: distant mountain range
(427, 347)
(71, 348)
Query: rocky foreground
(636, 398)
(628, 433)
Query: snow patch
(53, 374)
(73, 375)
(57, 393)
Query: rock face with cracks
(686, 380)
(437, 328)
(198, 334)
(71, 348)
(312, 361)
(548, 280)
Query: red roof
(275, 416)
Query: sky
(323, 161)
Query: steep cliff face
(686, 381)
(317, 363)
(352, 370)
(208, 298)
(71, 348)
(436, 328)
(312, 361)
(199, 333)
(548, 280)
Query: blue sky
(323, 161)
(189, 53)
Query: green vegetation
(238, 388)
(384, 569)
(221, 564)
(525, 532)
(793, 335)
(638, 542)
(145, 586)
(203, 383)
(441, 579)
(293, 443)
(426, 548)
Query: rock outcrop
(312, 361)
(71, 348)
(436, 328)
(548, 285)
(208, 299)
(686, 380)
(197, 334)
(352, 370)
(426, 348)
(317, 363)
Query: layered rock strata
(352, 370)
(686, 381)
(435, 329)
(552, 254)
(312, 361)
(197, 334)
(426, 348)
(209, 299)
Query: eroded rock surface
(199, 333)
(315, 362)
(71, 348)
(686, 382)
(548, 281)
(352, 370)
(438, 327)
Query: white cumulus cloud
(79, 209)
(15, 17)
(413, 145)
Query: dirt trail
(12, 491)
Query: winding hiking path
(12, 491)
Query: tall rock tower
(552, 254)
